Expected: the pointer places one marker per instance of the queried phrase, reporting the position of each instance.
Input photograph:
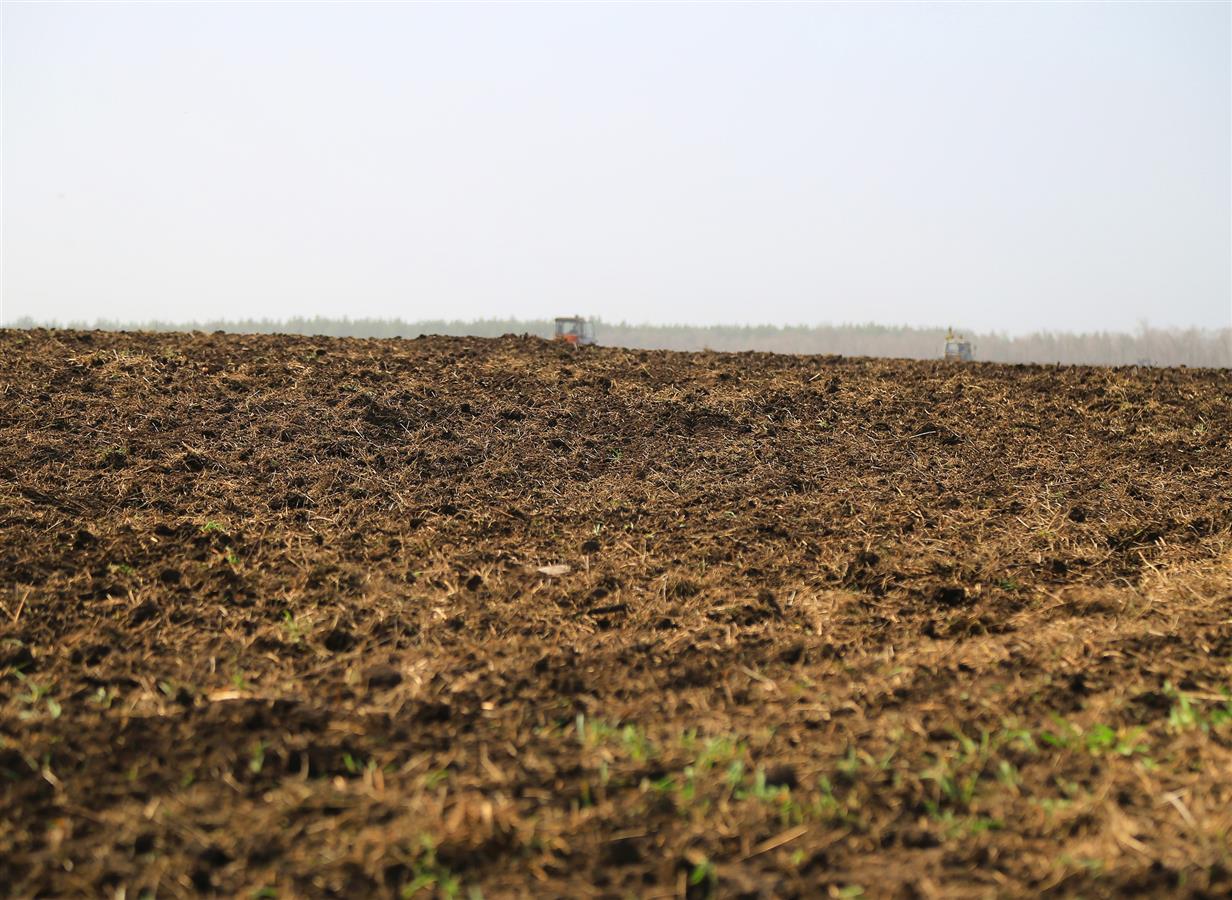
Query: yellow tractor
(956, 348)
(575, 330)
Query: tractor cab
(575, 330)
(957, 349)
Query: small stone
(383, 677)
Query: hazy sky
(1010, 167)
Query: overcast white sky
(1002, 166)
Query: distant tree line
(1147, 346)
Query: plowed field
(286, 617)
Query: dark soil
(283, 616)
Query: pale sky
(1004, 167)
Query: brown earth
(284, 616)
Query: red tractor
(575, 330)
